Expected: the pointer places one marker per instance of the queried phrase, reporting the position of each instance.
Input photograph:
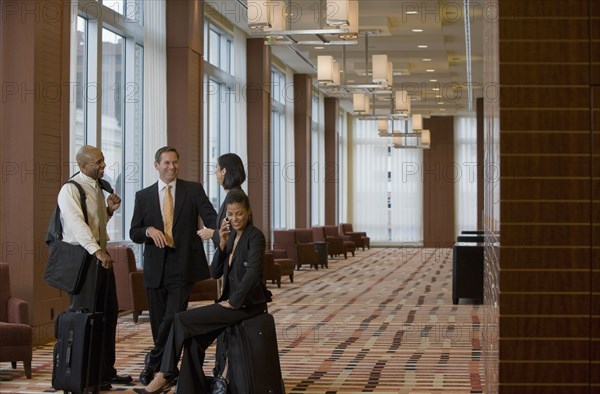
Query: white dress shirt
(75, 230)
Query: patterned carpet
(382, 322)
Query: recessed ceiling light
(423, 46)
(433, 80)
(438, 95)
(319, 47)
(441, 103)
(430, 70)
(411, 12)
(426, 60)
(417, 30)
(442, 109)
(436, 89)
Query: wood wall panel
(546, 211)
(540, 349)
(544, 8)
(542, 53)
(556, 74)
(563, 97)
(545, 189)
(544, 326)
(546, 235)
(550, 257)
(532, 304)
(561, 281)
(558, 119)
(546, 278)
(545, 373)
(573, 143)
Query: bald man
(93, 237)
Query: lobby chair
(359, 238)
(131, 293)
(335, 245)
(271, 270)
(205, 290)
(284, 241)
(332, 231)
(15, 331)
(306, 247)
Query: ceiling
(389, 27)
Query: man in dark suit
(165, 220)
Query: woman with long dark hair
(239, 260)
(230, 175)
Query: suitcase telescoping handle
(93, 323)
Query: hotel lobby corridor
(382, 321)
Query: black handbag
(67, 263)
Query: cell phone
(228, 228)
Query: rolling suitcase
(253, 357)
(77, 357)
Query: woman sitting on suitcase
(239, 260)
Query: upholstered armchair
(307, 254)
(285, 241)
(335, 245)
(271, 270)
(286, 264)
(332, 231)
(131, 293)
(205, 290)
(15, 331)
(359, 238)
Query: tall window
(317, 182)
(406, 192)
(465, 190)
(279, 141)
(342, 167)
(218, 106)
(387, 186)
(107, 98)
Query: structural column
(438, 188)
(185, 49)
(258, 99)
(34, 149)
(331, 165)
(302, 147)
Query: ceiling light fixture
(335, 22)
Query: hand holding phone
(227, 225)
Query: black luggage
(78, 351)
(252, 356)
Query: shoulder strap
(55, 227)
(82, 198)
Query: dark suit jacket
(191, 202)
(242, 282)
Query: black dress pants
(106, 301)
(196, 329)
(164, 302)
